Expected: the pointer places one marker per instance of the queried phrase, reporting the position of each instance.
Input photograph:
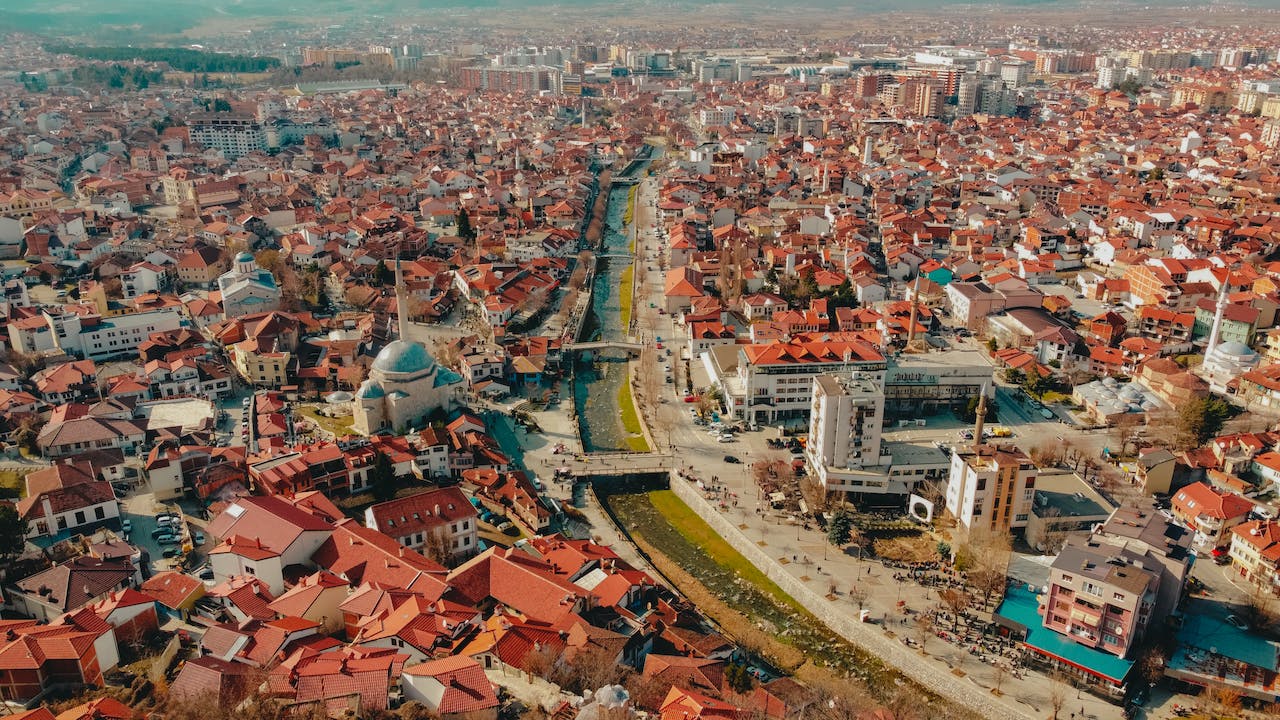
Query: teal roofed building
(405, 385)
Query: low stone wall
(869, 636)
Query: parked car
(732, 460)
(126, 525)
(197, 538)
(164, 539)
(160, 531)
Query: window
(99, 513)
(79, 517)
(248, 569)
(1091, 588)
(1118, 596)
(1110, 639)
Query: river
(600, 377)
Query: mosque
(405, 383)
(1224, 362)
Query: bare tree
(989, 552)
(1054, 535)
(998, 671)
(924, 628)
(956, 601)
(1058, 690)
(858, 594)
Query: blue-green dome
(369, 390)
(244, 257)
(403, 357)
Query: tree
(1057, 692)
(13, 531)
(840, 528)
(738, 678)
(924, 628)
(970, 411)
(858, 595)
(989, 552)
(27, 433)
(465, 231)
(382, 478)
(1200, 420)
(436, 546)
(956, 601)
(993, 345)
(1014, 376)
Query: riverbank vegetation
(624, 296)
(754, 610)
(631, 420)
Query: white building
(247, 289)
(991, 487)
(94, 337)
(233, 135)
(405, 383)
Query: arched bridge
(632, 347)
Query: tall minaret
(1217, 317)
(911, 321)
(402, 305)
(982, 417)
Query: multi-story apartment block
(844, 430)
(234, 135)
(1106, 590)
(991, 487)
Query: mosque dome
(244, 257)
(405, 357)
(1233, 348)
(369, 390)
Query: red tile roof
(466, 688)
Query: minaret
(1217, 317)
(868, 151)
(402, 305)
(911, 323)
(982, 416)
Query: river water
(601, 375)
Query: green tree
(383, 274)
(738, 678)
(383, 478)
(1014, 376)
(970, 411)
(1200, 420)
(840, 528)
(13, 531)
(993, 345)
(465, 231)
(221, 105)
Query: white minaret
(1217, 317)
(868, 151)
(402, 306)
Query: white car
(726, 438)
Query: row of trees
(183, 59)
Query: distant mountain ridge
(173, 16)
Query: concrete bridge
(632, 347)
(597, 464)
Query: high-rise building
(234, 135)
